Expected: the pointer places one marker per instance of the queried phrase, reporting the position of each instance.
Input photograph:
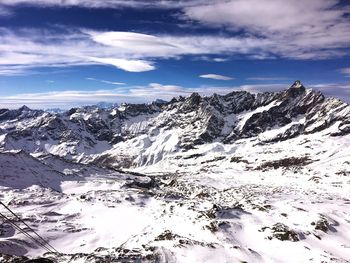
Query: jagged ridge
(196, 120)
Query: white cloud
(266, 78)
(107, 81)
(14, 70)
(220, 59)
(105, 3)
(73, 98)
(215, 76)
(4, 11)
(167, 88)
(130, 42)
(345, 71)
(127, 65)
(298, 29)
(210, 59)
(24, 49)
(164, 46)
(60, 99)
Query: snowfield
(156, 196)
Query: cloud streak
(266, 78)
(215, 76)
(134, 94)
(104, 4)
(126, 64)
(345, 71)
(107, 81)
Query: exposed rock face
(284, 233)
(196, 120)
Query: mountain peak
(297, 85)
(24, 108)
(296, 89)
(160, 101)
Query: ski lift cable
(45, 242)
(24, 232)
(35, 175)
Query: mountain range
(226, 178)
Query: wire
(35, 175)
(45, 242)
(24, 232)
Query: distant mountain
(54, 110)
(160, 101)
(106, 105)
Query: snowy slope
(234, 178)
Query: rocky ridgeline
(225, 118)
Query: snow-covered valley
(235, 178)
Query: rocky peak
(24, 108)
(297, 85)
(192, 102)
(296, 89)
(138, 109)
(159, 102)
(195, 98)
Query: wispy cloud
(210, 59)
(266, 78)
(128, 51)
(126, 64)
(105, 3)
(220, 59)
(45, 48)
(276, 28)
(345, 71)
(215, 76)
(107, 81)
(134, 94)
(4, 11)
(310, 29)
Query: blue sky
(66, 53)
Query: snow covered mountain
(182, 124)
(239, 177)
